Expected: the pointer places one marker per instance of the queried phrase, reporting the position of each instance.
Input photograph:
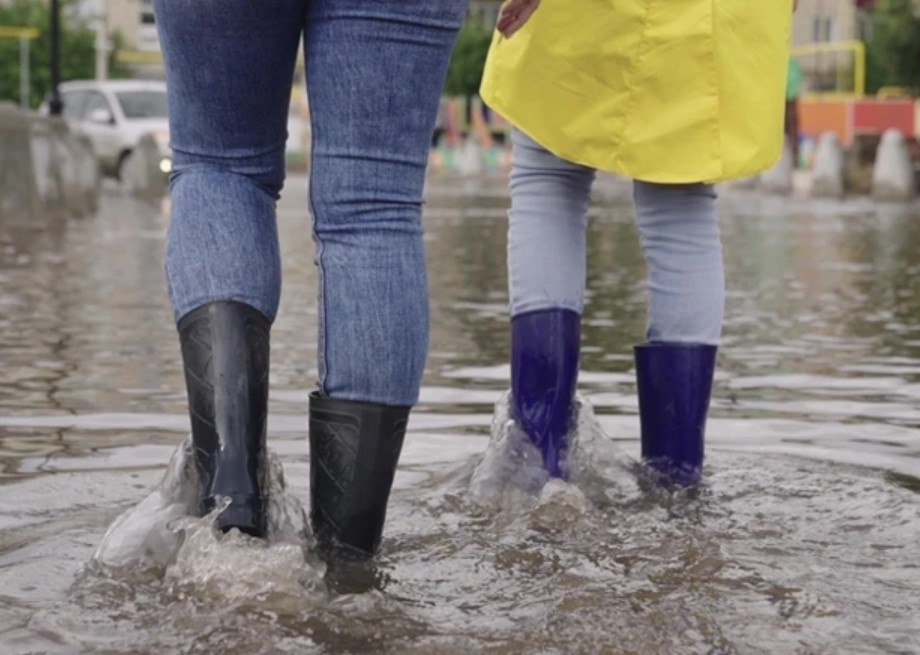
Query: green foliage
(894, 48)
(876, 76)
(468, 60)
(78, 55)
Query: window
(824, 29)
(95, 101)
(147, 15)
(74, 102)
(142, 104)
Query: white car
(115, 114)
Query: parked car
(115, 114)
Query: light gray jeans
(678, 229)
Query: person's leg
(229, 69)
(546, 274)
(374, 72)
(680, 237)
(792, 113)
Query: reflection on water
(804, 539)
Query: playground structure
(844, 108)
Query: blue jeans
(678, 227)
(375, 69)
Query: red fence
(850, 117)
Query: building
(825, 21)
(132, 19)
(831, 30)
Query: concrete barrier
(18, 194)
(893, 177)
(471, 157)
(142, 175)
(827, 178)
(779, 178)
(44, 167)
(88, 173)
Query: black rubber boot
(354, 449)
(225, 349)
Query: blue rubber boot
(674, 383)
(544, 371)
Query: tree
(78, 54)
(894, 47)
(468, 60)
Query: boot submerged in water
(674, 382)
(225, 350)
(544, 371)
(354, 450)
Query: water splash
(142, 537)
(162, 537)
(235, 567)
(511, 475)
(511, 471)
(603, 472)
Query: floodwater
(804, 540)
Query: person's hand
(514, 14)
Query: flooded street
(804, 540)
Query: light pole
(55, 105)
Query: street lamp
(55, 105)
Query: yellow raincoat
(668, 91)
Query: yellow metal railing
(893, 93)
(857, 48)
(139, 56)
(28, 33)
